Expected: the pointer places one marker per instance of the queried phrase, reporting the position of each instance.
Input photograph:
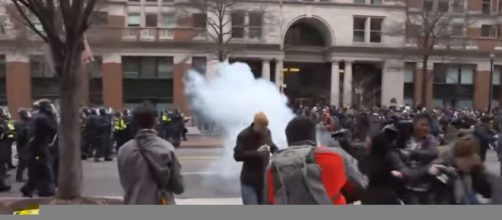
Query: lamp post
(492, 58)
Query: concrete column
(392, 82)
(265, 69)
(279, 75)
(112, 81)
(347, 84)
(335, 84)
(18, 82)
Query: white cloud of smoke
(231, 100)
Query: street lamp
(492, 58)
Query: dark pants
(9, 154)
(96, 148)
(106, 145)
(410, 197)
(40, 178)
(22, 162)
(3, 184)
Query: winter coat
(483, 182)
(255, 163)
(140, 182)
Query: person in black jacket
(106, 135)
(254, 145)
(417, 151)
(40, 170)
(22, 139)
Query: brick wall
(481, 89)
(179, 97)
(112, 85)
(18, 82)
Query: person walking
(148, 168)
(253, 148)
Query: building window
(457, 30)
(466, 75)
(133, 20)
(496, 77)
(131, 67)
(359, 1)
(255, 24)
(151, 0)
(452, 75)
(165, 67)
(428, 5)
(458, 6)
(2, 29)
(148, 67)
(487, 7)
(376, 30)
(376, 2)
(96, 67)
(443, 5)
(151, 20)
(100, 18)
(169, 20)
(3, 66)
(40, 68)
(238, 24)
(489, 31)
(359, 29)
(200, 21)
(409, 72)
(199, 64)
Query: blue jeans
(251, 195)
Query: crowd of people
(409, 156)
(35, 136)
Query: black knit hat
(299, 129)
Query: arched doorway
(306, 70)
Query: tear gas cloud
(231, 99)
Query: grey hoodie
(141, 186)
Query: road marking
(199, 158)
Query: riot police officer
(5, 143)
(85, 141)
(119, 130)
(106, 135)
(22, 139)
(40, 171)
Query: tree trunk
(70, 168)
(425, 80)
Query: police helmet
(102, 112)
(24, 113)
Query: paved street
(101, 179)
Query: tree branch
(28, 20)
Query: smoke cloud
(231, 100)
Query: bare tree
(433, 31)
(218, 28)
(63, 25)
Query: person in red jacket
(339, 174)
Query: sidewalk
(202, 141)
